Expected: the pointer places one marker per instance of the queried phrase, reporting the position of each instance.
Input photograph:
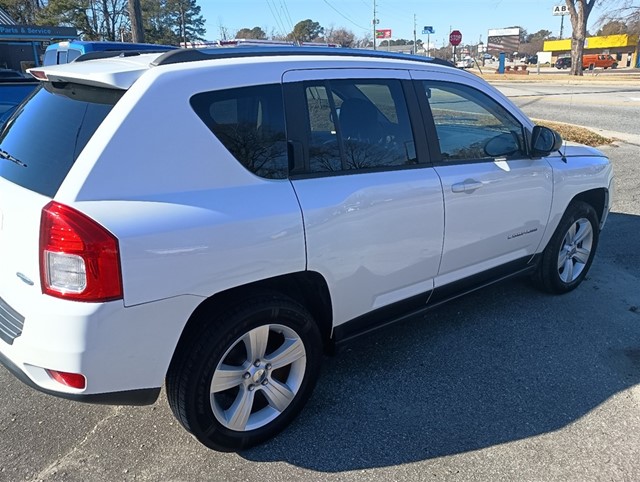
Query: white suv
(217, 219)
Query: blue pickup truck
(64, 52)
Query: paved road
(505, 384)
(610, 107)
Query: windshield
(47, 133)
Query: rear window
(40, 142)
(11, 94)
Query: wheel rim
(258, 377)
(575, 250)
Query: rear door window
(358, 125)
(40, 142)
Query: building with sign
(22, 46)
(624, 48)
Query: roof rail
(107, 54)
(195, 55)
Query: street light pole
(375, 22)
(415, 49)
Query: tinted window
(12, 95)
(250, 123)
(358, 124)
(48, 132)
(472, 126)
(73, 54)
(50, 57)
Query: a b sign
(560, 10)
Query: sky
(471, 17)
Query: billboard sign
(383, 33)
(505, 40)
(560, 10)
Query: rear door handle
(468, 185)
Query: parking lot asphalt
(504, 384)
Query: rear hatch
(39, 144)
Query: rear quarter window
(249, 121)
(46, 134)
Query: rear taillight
(73, 380)
(79, 259)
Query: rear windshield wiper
(9, 157)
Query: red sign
(383, 33)
(455, 37)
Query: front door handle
(468, 185)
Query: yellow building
(622, 47)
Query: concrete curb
(633, 139)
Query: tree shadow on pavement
(499, 365)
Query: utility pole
(415, 48)
(375, 23)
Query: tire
(614, 66)
(569, 254)
(245, 375)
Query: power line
(283, 4)
(344, 16)
(387, 15)
(276, 16)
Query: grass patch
(577, 134)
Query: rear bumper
(123, 352)
(145, 396)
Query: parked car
(531, 59)
(68, 51)
(215, 219)
(465, 63)
(563, 63)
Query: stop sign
(455, 37)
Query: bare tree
(579, 11)
(626, 12)
(340, 36)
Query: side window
(73, 54)
(249, 121)
(472, 126)
(62, 57)
(49, 57)
(358, 124)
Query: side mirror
(544, 141)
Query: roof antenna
(563, 148)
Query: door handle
(468, 185)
